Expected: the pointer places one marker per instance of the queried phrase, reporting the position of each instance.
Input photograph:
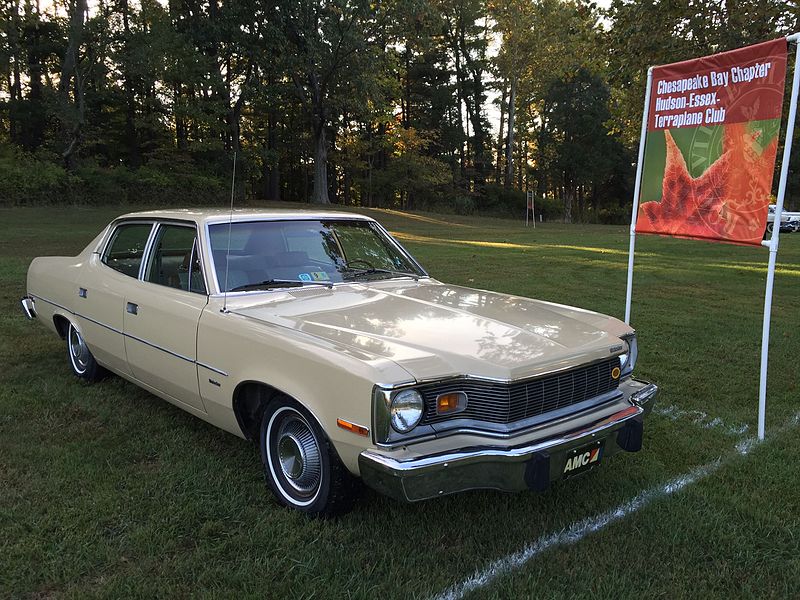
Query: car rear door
(162, 312)
(100, 303)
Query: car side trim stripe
(210, 368)
(133, 337)
(157, 347)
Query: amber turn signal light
(450, 403)
(615, 373)
(352, 427)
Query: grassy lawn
(107, 491)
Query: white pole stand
(636, 190)
(772, 244)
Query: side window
(175, 261)
(125, 251)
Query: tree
(71, 84)
(326, 40)
(575, 116)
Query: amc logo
(582, 460)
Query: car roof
(222, 215)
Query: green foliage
(27, 179)
(320, 100)
(499, 200)
(148, 185)
(551, 209)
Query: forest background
(454, 106)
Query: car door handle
(133, 308)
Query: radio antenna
(228, 252)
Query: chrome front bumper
(28, 307)
(532, 465)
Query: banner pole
(636, 190)
(772, 244)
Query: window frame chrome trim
(151, 247)
(109, 238)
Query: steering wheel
(361, 261)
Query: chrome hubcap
(78, 350)
(299, 456)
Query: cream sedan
(316, 335)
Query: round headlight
(623, 358)
(627, 360)
(406, 410)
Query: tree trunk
(15, 85)
(503, 102)
(568, 194)
(181, 133)
(407, 91)
(320, 193)
(459, 99)
(273, 169)
(130, 100)
(510, 142)
(72, 111)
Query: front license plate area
(583, 459)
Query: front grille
(510, 402)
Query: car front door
(162, 312)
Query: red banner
(712, 137)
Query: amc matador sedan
(316, 335)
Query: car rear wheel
(300, 464)
(83, 364)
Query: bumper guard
(28, 307)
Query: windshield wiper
(374, 270)
(279, 283)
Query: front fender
(330, 381)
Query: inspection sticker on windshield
(583, 459)
(304, 277)
(320, 276)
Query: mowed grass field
(107, 491)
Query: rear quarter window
(125, 251)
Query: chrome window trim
(148, 251)
(112, 229)
(400, 248)
(157, 226)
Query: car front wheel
(300, 464)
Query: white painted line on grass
(574, 533)
(701, 419)
(580, 529)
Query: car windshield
(266, 254)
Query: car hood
(436, 330)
